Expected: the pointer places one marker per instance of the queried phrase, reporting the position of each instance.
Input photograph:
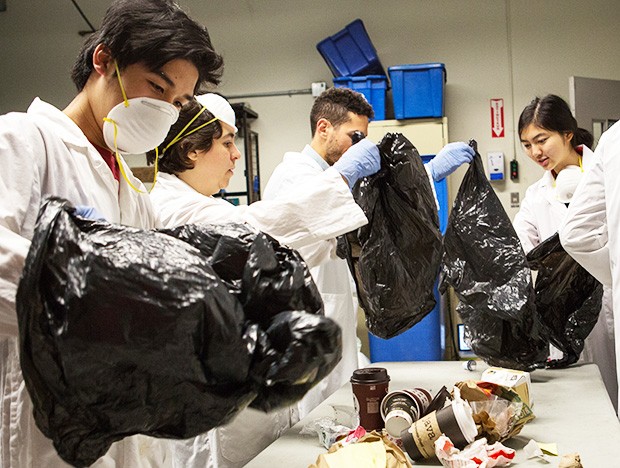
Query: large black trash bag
(485, 264)
(568, 299)
(400, 247)
(267, 277)
(126, 331)
(296, 337)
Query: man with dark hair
(133, 74)
(335, 117)
(335, 104)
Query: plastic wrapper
(126, 331)
(400, 247)
(485, 264)
(329, 429)
(568, 299)
(477, 454)
(496, 417)
(508, 424)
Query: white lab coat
(332, 278)
(540, 216)
(589, 232)
(43, 152)
(314, 214)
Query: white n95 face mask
(138, 125)
(566, 182)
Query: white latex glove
(360, 160)
(449, 159)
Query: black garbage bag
(568, 299)
(126, 331)
(400, 247)
(295, 338)
(485, 264)
(266, 277)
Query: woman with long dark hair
(551, 138)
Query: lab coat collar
(171, 180)
(309, 151)
(66, 128)
(547, 181)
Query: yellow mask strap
(181, 135)
(118, 75)
(120, 163)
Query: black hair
(335, 105)
(553, 113)
(175, 159)
(152, 32)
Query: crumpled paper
(327, 429)
(570, 460)
(373, 450)
(478, 454)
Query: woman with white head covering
(197, 159)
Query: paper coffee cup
(370, 385)
(455, 421)
(401, 407)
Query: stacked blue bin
(423, 341)
(353, 60)
(373, 87)
(418, 90)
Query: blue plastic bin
(423, 341)
(418, 90)
(441, 189)
(350, 53)
(373, 87)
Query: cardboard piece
(517, 380)
(371, 450)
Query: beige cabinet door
(427, 135)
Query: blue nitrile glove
(360, 160)
(89, 212)
(449, 159)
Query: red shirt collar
(110, 159)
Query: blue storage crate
(441, 189)
(350, 52)
(423, 341)
(418, 90)
(373, 87)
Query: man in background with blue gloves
(337, 114)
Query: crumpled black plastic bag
(568, 299)
(400, 247)
(265, 276)
(485, 264)
(126, 331)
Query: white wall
(511, 49)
